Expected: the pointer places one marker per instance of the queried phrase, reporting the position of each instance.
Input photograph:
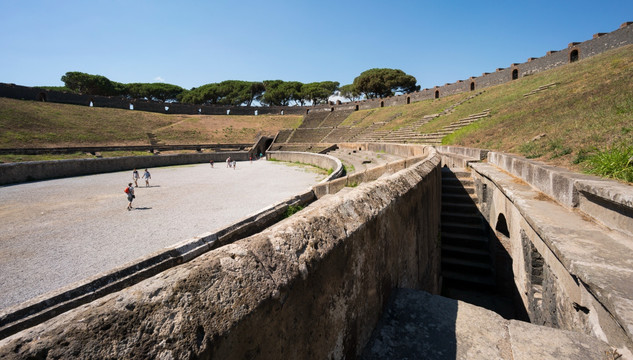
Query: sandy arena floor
(56, 232)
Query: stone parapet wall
(311, 286)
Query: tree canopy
(379, 83)
(349, 92)
(83, 83)
(370, 84)
(229, 92)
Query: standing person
(234, 163)
(146, 176)
(129, 190)
(251, 158)
(135, 177)
(228, 161)
(211, 162)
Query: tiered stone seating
(299, 147)
(436, 137)
(335, 118)
(313, 119)
(371, 133)
(342, 134)
(284, 135)
(406, 133)
(312, 136)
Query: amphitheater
(412, 250)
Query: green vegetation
(292, 209)
(43, 124)
(590, 107)
(380, 83)
(352, 184)
(615, 162)
(395, 117)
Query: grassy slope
(590, 109)
(399, 116)
(39, 124)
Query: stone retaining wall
(320, 160)
(12, 173)
(312, 286)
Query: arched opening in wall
(199, 111)
(515, 74)
(41, 97)
(166, 108)
(382, 104)
(131, 106)
(282, 112)
(408, 100)
(256, 112)
(472, 86)
(307, 111)
(573, 56)
(331, 109)
(91, 104)
(437, 94)
(356, 108)
(228, 112)
(502, 226)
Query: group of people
(129, 190)
(230, 163)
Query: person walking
(211, 162)
(129, 190)
(135, 177)
(228, 162)
(146, 176)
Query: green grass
(615, 162)
(591, 107)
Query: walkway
(57, 232)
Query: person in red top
(129, 190)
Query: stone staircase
(539, 89)
(153, 140)
(435, 138)
(466, 260)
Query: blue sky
(192, 43)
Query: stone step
(454, 181)
(458, 280)
(461, 252)
(454, 227)
(465, 240)
(457, 198)
(462, 208)
(464, 218)
(467, 267)
(457, 189)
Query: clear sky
(192, 43)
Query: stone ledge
(418, 325)
(597, 256)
